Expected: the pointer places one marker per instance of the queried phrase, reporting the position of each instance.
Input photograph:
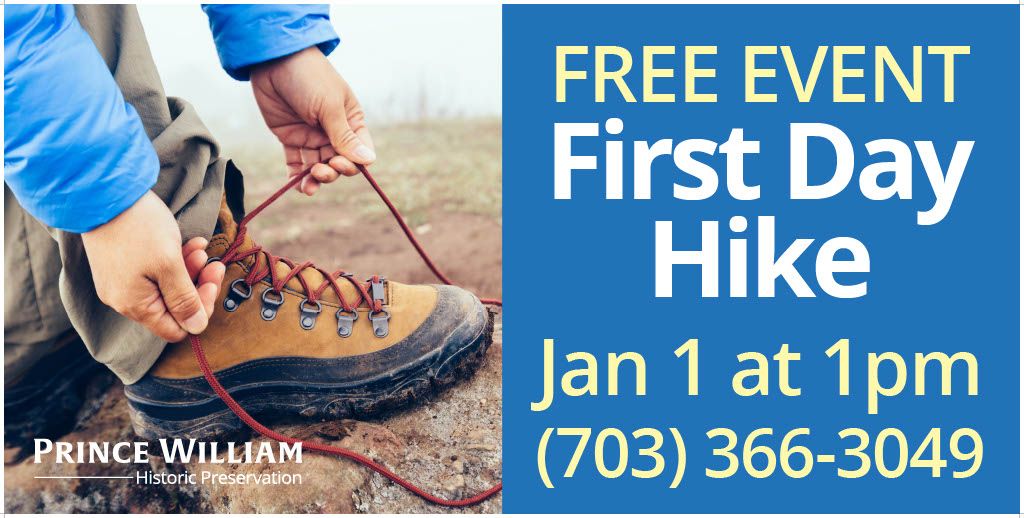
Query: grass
(436, 165)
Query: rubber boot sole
(281, 403)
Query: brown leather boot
(290, 340)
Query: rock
(455, 482)
(409, 442)
(11, 455)
(324, 487)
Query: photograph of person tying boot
(183, 331)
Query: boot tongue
(226, 225)
(227, 232)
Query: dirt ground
(450, 445)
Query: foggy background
(405, 63)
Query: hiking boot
(44, 400)
(291, 341)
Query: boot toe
(470, 334)
(465, 308)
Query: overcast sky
(403, 62)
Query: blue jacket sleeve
(247, 35)
(75, 153)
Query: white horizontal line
(127, 476)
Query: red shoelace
(233, 254)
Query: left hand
(315, 115)
(169, 287)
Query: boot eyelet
(270, 306)
(346, 321)
(377, 287)
(308, 311)
(379, 319)
(236, 296)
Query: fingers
(300, 159)
(296, 165)
(343, 165)
(309, 156)
(154, 316)
(293, 159)
(210, 279)
(181, 297)
(196, 243)
(162, 314)
(342, 124)
(207, 277)
(309, 186)
(326, 167)
(324, 173)
(194, 253)
(364, 134)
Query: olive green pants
(49, 288)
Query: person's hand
(315, 115)
(143, 272)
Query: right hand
(142, 271)
(315, 114)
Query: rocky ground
(450, 445)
